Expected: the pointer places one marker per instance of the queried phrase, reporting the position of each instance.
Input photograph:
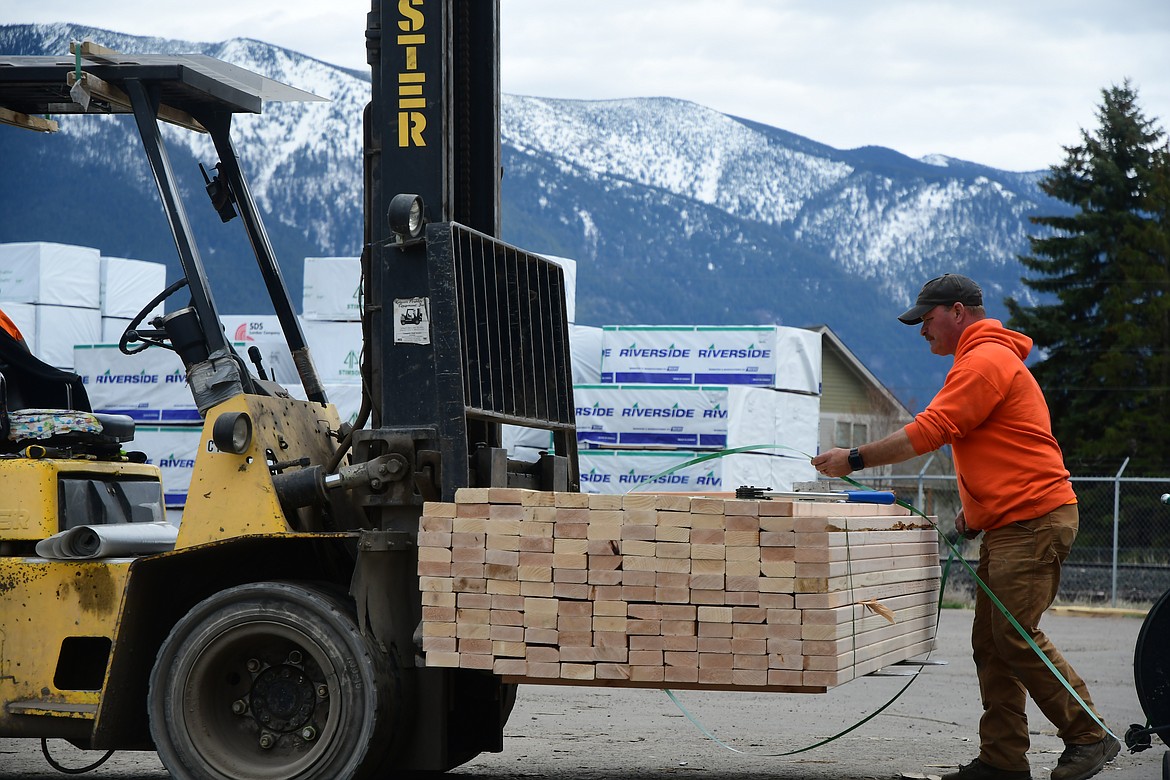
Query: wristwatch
(855, 461)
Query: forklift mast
(435, 111)
(464, 332)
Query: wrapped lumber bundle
(674, 591)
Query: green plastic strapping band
(698, 724)
(719, 454)
(954, 553)
(1006, 613)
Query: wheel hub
(283, 698)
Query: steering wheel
(148, 338)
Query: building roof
(854, 366)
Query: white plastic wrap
(569, 267)
(150, 386)
(173, 450)
(763, 356)
(264, 332)
(113, 328)
(585, 354)
(336, 348)
(24, 316)
(46, 273)
(109, 541)
(790, 421)
(641, 416)
(620, 471)
(516, 438)
(59, 328)
(332, 288)
(128, 285)
(687, 417)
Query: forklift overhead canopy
(191, 84)
(190, 90)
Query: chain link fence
(1121, 556)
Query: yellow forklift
(277, 635)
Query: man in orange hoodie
(1016, 491)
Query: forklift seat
(43, 405)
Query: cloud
(999, 82)
(1002, 83)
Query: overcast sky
(1006, 83)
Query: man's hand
(894, 448)
(833, 463)
(961, 526)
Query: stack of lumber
(673, 591)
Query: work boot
(1078, 762)
(977, 770)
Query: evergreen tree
(1105, 341)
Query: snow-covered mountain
(676, 213)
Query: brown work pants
(1021, 564)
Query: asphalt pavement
(577, 733)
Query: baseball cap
(943, 291)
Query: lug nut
(294, 657)
(267, 740)
(253, 665)
(308, 733)
(322, 691)
(239, 706)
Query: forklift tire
(268, 681)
